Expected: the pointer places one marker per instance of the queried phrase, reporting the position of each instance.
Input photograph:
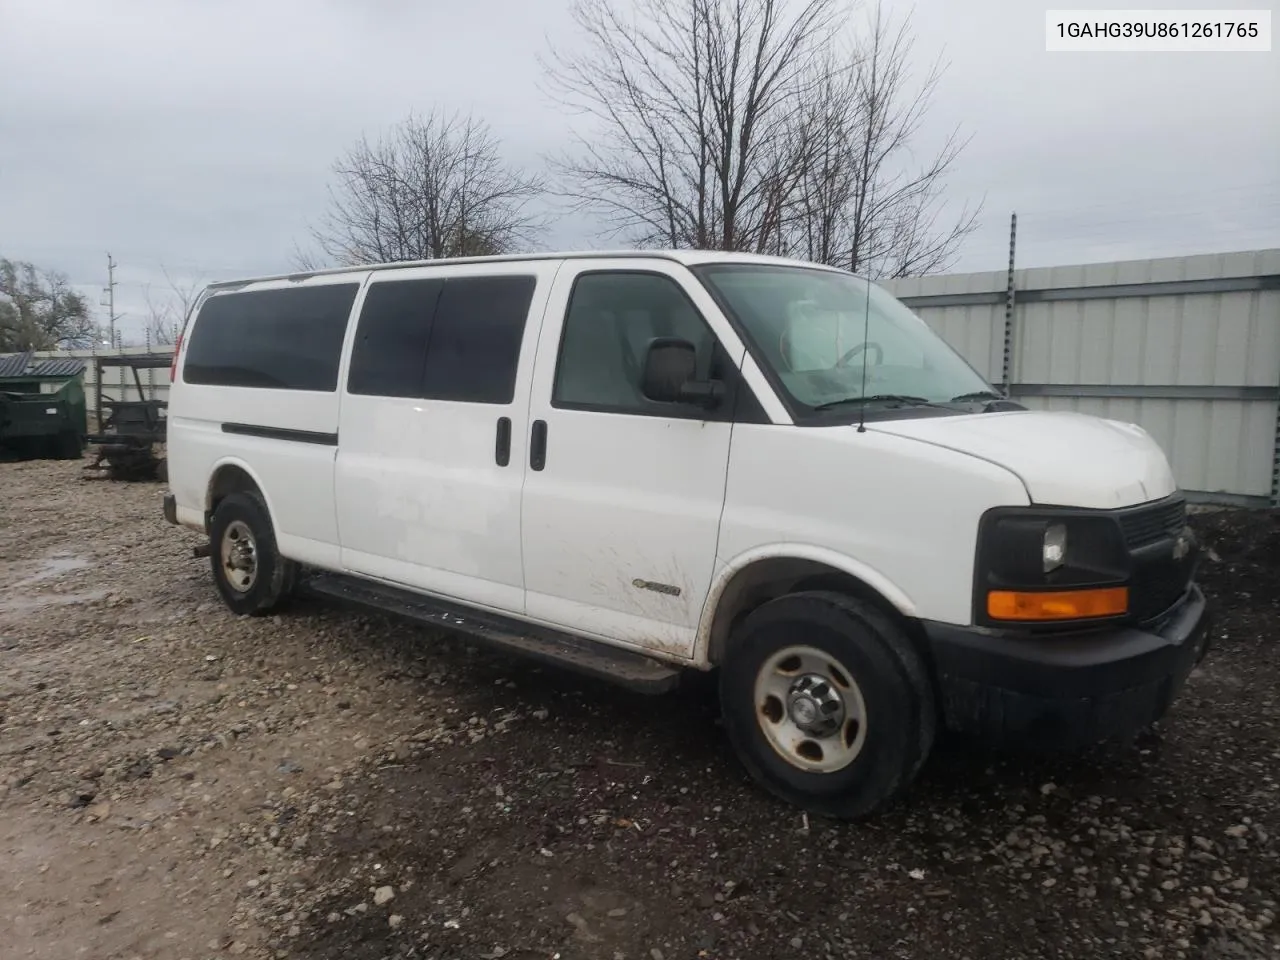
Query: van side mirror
(670, 366)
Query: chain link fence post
(1006, 366)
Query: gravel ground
(179, 782)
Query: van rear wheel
(827, 704)
(250, 574)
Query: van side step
(631, 670)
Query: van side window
(476, 337)
(453, 339)
(611, 320)
(279, 339)
(390, 348)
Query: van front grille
(1152, 523)
(1161, 573)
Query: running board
(622, 667)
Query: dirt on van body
(177, 782)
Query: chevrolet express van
(639, 464)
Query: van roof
(686, 257)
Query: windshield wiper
(978, 395)
(899, 398)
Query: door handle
(502, 448)
(538, 445)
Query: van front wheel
(250, 574)
(827, 704)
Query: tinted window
(390, 349)
(282, 339)
(455, 339)
(475, 340)
(612, 319)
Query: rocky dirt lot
(177, 782)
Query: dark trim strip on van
(281, 433)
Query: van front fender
(783, 560)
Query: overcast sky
(198, 136)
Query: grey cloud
(199, 136)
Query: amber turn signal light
(1057, 604)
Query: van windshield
(814, 328)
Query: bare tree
(863, 202)
(166, 315)
(306, 261)
(433, 187)
(819, 210)
(689, 104)
(40, 311)
(757, 125)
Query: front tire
(827, 704)
(250, 574)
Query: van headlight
(1049, 566)
(1054, 548)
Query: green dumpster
(42, 407)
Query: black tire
(273, 575)
(887, 672)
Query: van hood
(1062, 458)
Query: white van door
(433, 427)
(622, 495)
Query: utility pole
(111, 299)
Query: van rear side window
(476, 337)
(455, 339)
(277, 339)
(390, 348)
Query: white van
(635, 464)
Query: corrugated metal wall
(1187, 347)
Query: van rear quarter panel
(900, 515)
(296, 477)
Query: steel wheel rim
(810, 709)
(239, 555)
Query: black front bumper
(1065, 692)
